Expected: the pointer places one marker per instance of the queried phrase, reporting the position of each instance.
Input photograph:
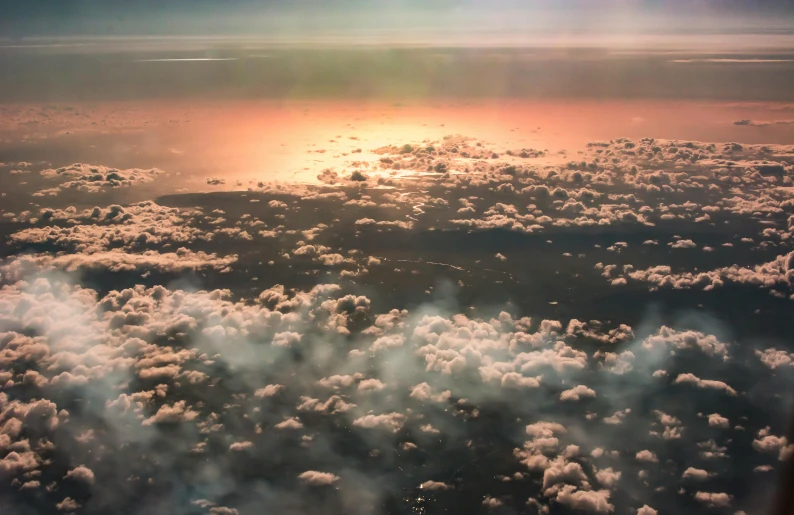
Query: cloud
(343, 374)
(423, 392)
(608, 477)
(371, 385)
(117, 261)
(704, 383)
(175, 413)
(81, 474)
(762, 123)
(316, 478)
(713, 500)
(695, 474)
(771, 444)
(577, 393)
(290, 423)
(68, 504)
(595, 501)
(95, 178)
(683, 244)
(647, 457)
(269, 390)
(434, 486)
(717, 420)
(774, 358)
(390, 421)
(222, 510)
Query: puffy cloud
(695, 474)
(774, 358)
(176, 412)
(333, 404)
(290, 423)
(682, 244)
(646, 456)
(771, 444)
(82, 474)
(713, 499)
(365, 222)
(608, 477)
(15, 463)
(667, 338)
(336, 381)
(766, 275)
(269, 390)
(491, 502)
(423, 392)
(391, 421)
(316, 478)
(115, 226)
(562, 471)
(223, 510)
(434, 486)
(545, 429)
(95, 178)
(710, 450)
(516, 380)
(577, 393)
(294, 361)
(595, 501)
(704, 383)
(717, 420)
(68, 504)
(371, 385)
(117, 261)
(617, 417)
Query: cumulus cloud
(695, 474)
(717, 420)
(290, 423)
(647, 457)
(434, 486)
(774, 358)
(328, 367)
(390, 421)
(704, 383)
(95, 178)
(117, 261)
(595, 501)
(316, 478)
(81, 474)
(771, 444)
(577, 393)
(170, 414)
(713, 499)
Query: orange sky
(243, 141)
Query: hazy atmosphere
(396, 257)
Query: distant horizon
(234, 17)
(705, 43)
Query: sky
(399, 266)
(256, 18)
